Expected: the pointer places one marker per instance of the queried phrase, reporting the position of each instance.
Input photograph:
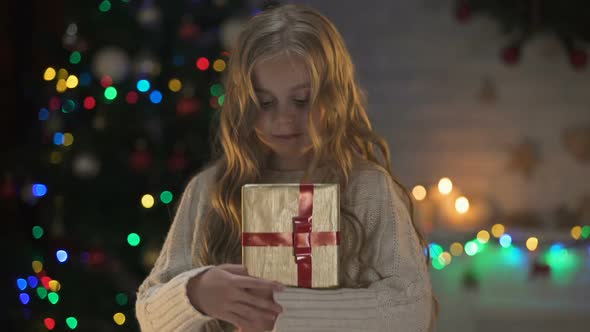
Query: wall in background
(431, 83)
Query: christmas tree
(126, 105)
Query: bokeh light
(58, 138)
(89, 103)
(532, 243)
(202, 63)
(62, 74)
(216, 90)
(21, 283)
(445, 186)
(54, 285)
(33, 281)
(72, 82)
(219, 65)
(483, 236)
(462, 204)
(121, 299)
(39, 190)
(457, 249)
(37, 232)
(110, 93)
(68, 139)
(24, 298)
(75, 57)
(68, 106)
(471, 248)
(131, 97)
(419, 192)
(119, 318)
(174, 85)
(576, 232)
(43, 114)
(143, 85)
(133, 239)
(166, 197)
(53, 297)
(435, 250)
(61, 86)
(505, 240)
(61, 255)
(106, 81)
(497, 230)
(49, 323)
(104, 6)
(49, 74)
(41, 292)
(37, 266)
(156, 97)
(147, 201)
(72, 322)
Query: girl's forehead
(280, 74)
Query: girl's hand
(227, 292)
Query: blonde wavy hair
(345, 132)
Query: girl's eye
(265, 104)
(301, 102)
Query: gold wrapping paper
(269, 208)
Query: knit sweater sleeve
(162, 303)
(400, 301)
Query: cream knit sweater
(402, 301)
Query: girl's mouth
(287, 137)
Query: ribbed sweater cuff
(327, 310)
(170, 308)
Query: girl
(292, 113)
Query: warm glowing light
(54, 285)
(68, 139)
(419, 192)
(462, 205)
(147, 201)
(72, 82)
(174, 85)
(456, 249)
(497, 230)
(576, 232)
(483, 236)
(37, 266)
(61, 86)
(49, 74)
(119, 318)
(445, 186)
(219, 65)
(532, 243)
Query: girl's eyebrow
(295, 87)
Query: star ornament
(524, 158)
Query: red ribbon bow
(302, 238)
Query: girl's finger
(257, 301)
(235, 269)
(252, 282)
(253, 313)
(239, 321)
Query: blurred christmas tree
(124, 118)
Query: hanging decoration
(523, 20)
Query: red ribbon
(302, 238)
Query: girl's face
(282, 87)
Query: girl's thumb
(237, 269)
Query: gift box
(291, 233)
